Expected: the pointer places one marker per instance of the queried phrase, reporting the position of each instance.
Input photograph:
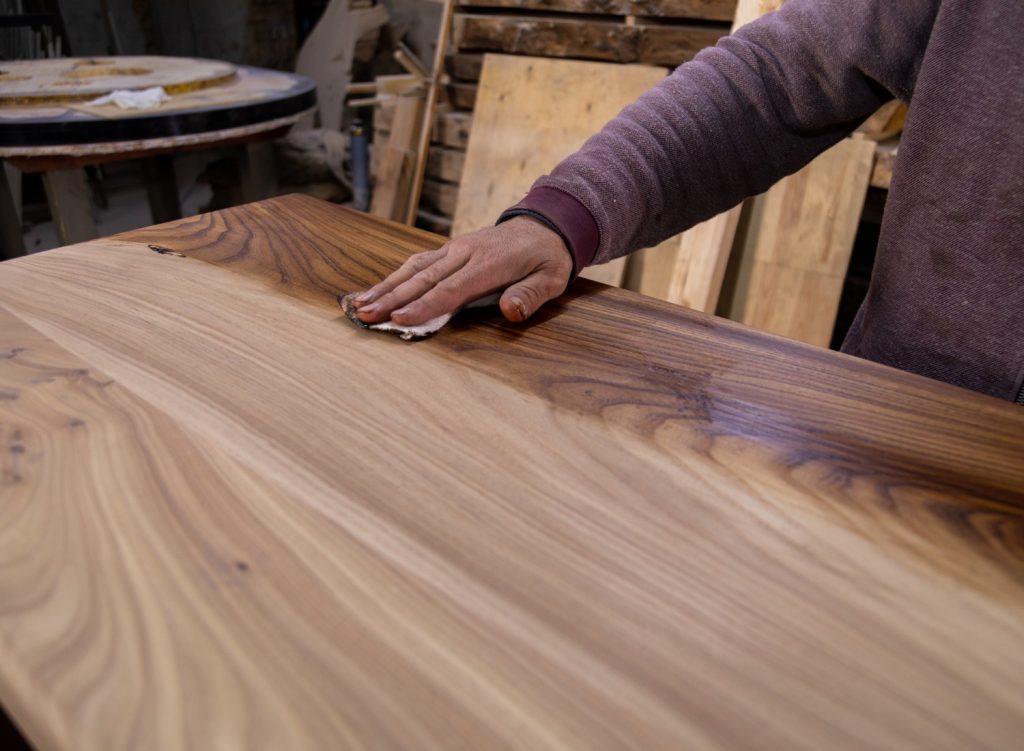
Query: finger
(412, 266)
(465, 285)
(412, 289)
(522, 299)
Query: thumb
(522, 299)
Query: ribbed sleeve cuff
(566, 216)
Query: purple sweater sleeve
(743, 114)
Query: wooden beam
(441, 196)
(446, 164)
(707, 10)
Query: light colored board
(800, 242)
(397, 160)
(71, 79)
(229, 518)
(885, 162)
(689, 269)
(327, 55)
(531, 113)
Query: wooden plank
(446, 164)
(593, 7)
(609, 41)
(466, 66)
(885, 161)
(531, 114)
(688, 269)
(441, 196)
(548, 37)
(673, 45)
(801, 241)
(708, 10)
(229, 514)
(462, 95)
(398, 160)
(451, 129)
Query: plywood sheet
(226, 513)
(530, 114)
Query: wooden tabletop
(230, 519)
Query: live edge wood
(229, 518)
(708, 10)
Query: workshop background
(380, 44)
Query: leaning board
(530, 114)
(230, 519)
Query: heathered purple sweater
(947, 293)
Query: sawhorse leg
(12, 240)
(161, 188)
(70, 205)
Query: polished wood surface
(231, 519)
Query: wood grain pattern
(709, 10)
(228, 514)
(607, 41)
(531, 113)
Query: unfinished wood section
(229, 514)
(531, 114)
(392, 188)
(609, 41)
(799, 243)
(711, 10)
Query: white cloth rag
(127, 99)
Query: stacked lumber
(657, 32)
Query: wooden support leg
(12, 241)
(259, 173)
(161, 188)
(70, 205)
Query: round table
(50, 128)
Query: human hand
(521, 256)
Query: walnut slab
(230, 519)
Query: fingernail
(365, 297)
(401, 312)
(368, 309)
(518, 305)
